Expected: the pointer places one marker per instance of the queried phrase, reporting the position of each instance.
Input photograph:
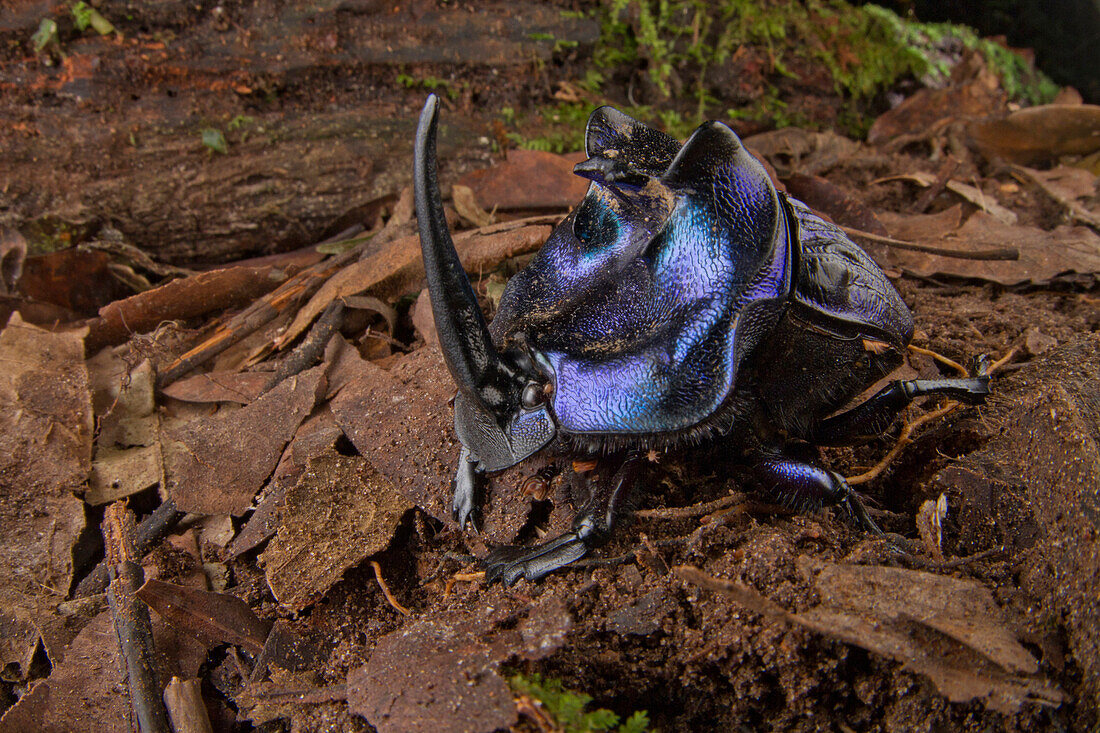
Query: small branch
(386, 590)
(303, 285)
(131, 620)
(947, 169)
(312, 348)
(1076, 211)
(151, 531)
(997, 253)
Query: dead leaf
(424, 320)
(216, 465)
(340, 512)
(431, 677)
(927, 108)
(122, 396)
(212, 618)
(117, 473)
(400, 421)
(467, 207)
(45, 456)
(1035, 134)
(922, 227)
(1067, 186)
(238, 387)
(528, 179)
(948, 629)
(1044, 255)
(316, 436)
(87, 686)
(78, 280)
(793, 150)
(971, 193)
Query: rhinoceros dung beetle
(685, 300)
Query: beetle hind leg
(872, 417)
(591, 527)
(802, 485)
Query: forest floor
(216, 328)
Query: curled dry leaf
(1043, 255)
(468, 208)
(948, 629)
(397, 265)
(528, 179)
(226, 386)
(1035, 134)
(971, 193)
(793, 150)
(212, 618)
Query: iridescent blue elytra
(684, 299)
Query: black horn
(464, 337)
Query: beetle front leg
(802, 485)
(464, 501)
(591, 527)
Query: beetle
(684, 301)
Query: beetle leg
(802, 485)
(591, 527)
(464, 502)
(871, 418)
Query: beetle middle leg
(801, 485)
(591, 527)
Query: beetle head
(500, 411)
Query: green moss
(865, 51)
(567, 707)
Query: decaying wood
(191, 297)
(186, 709)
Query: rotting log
(110, 130)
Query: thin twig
(312, 348)
(695, 510)
(303, 285)
(941, 359)
(386, 590)
(996, 253)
